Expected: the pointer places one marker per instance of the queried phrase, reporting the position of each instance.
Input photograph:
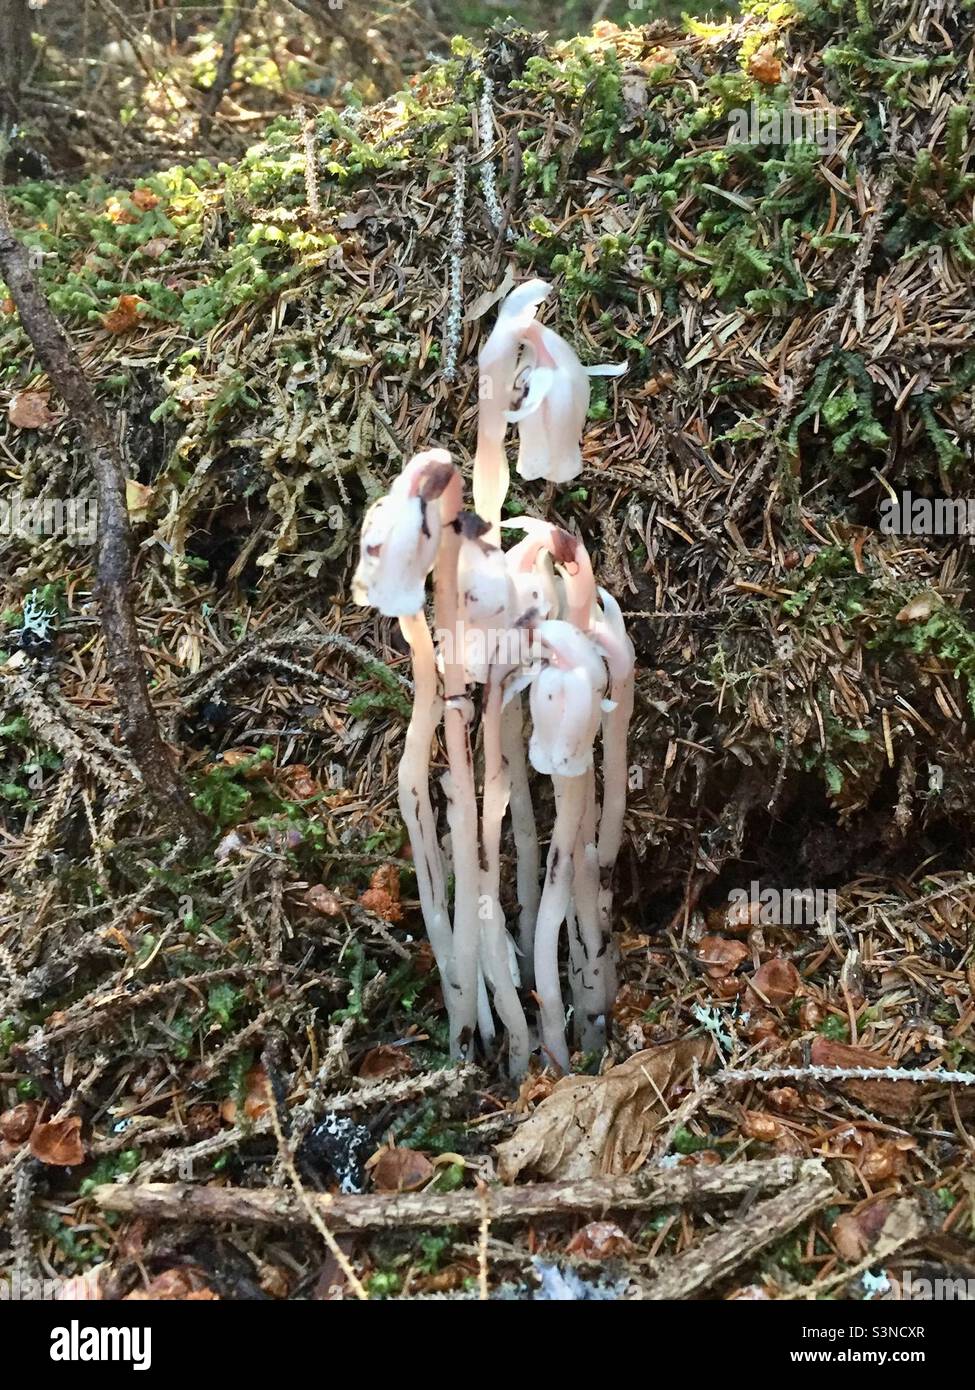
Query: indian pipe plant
(529, 617)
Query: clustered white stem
(529, 617)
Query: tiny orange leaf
(401, 1170)
(125, 316)
(765, 67)
(58, 1142)
(31, 410)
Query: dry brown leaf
(183, 1284)
(31, 410)
(593, 1126)
(323, 901)
(851, 1244)
(144, 199)
(125, 316)
(896, 1099)
(256, 1101)
(719, 956)
(599, 1240)
(16, 1124)
(920, 608)
(401, 1170)
(299, 782)
(384, 1061)
(776, 981)
(155, 246)
(58, 1142)
(765, 67)
(489, 298)
(382, 896)
(137, 499)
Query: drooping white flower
(400, 537)
(569, 555)
(552, 415)
(566, 701)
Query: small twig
(719, 1255)
(652, 1187)
(937, 1077)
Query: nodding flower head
(551, 416)
(566, 701)
(610, 635)
(400, 538)
(571, 558)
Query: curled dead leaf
(719, 956)
(17, 1123)
(323, 901)
(58, 1142)
(599, 1125)
(383, 894)
(920, 608)
(31, 410)
(383, 1062)
(125, 316)
(855, 1233)
(137, 499)
(401, 1170)
(155, 246)
(776, 981)
(144, 199)
(765, 67)
(599, 1240)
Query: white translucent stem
(528, 858)
(414, 797)
(551, 914)
(490, 484)
(485, 1018)
(458, 712)
(587, 949)
(615, 727)
(493, 928)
